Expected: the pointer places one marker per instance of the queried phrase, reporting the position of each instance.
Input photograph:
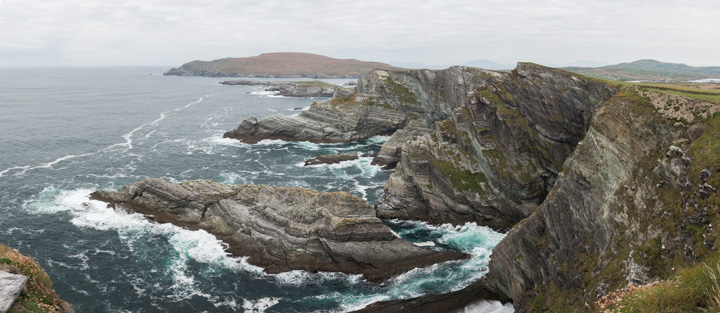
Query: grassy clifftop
(649, 70)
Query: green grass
(39, 297)
(705, 96)
(691, 289)
(401, 92)
(461, 179)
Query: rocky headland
(281, 64)
(600, 184)
(282, 228)
(296, 88)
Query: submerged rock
(282, 228)
(332, 158)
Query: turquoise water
(67, 132)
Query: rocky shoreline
(307, 89)
(595, 181)
(282, 228)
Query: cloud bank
(164, 32)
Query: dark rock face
(497, 156)
(332, 158)
(450, 302)
(280, 228)
(627, 208)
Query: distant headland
(281, 64)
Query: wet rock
(332, 158)
(282, 228)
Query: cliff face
(498, 154)
(475, 145)
(282, 228)
(636, 200)
(601, 184)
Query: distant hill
(650, 70)
(282, 64)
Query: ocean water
(65, 132)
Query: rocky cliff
(601, 184)
(636, 199)
(282, 228)
(498, 154)
(475, 145)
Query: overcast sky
(172, 32)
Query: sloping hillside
(649, 70)
(282, 64)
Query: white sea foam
(260, 305)
(128, 137)
(203, 247)
(199, 245)
(127, 144)
(24, 169)
(265, 94)
(488, 307)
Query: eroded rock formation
(332, 158)
(281, 228)
(600, 184)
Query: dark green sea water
(65, 132)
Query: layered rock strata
(498, 154)
(282, 228)
(603, 184)
(332, 158)
(351, 118)
(636, 199)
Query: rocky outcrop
(498, 154)
(629, 207)
(294, 88)
(10, 287)
(352, 118)
(385, 102)
(282, 228)
(332, 158)
(451, 302)
(25, 287)
(600, 184)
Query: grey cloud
(165, 32)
